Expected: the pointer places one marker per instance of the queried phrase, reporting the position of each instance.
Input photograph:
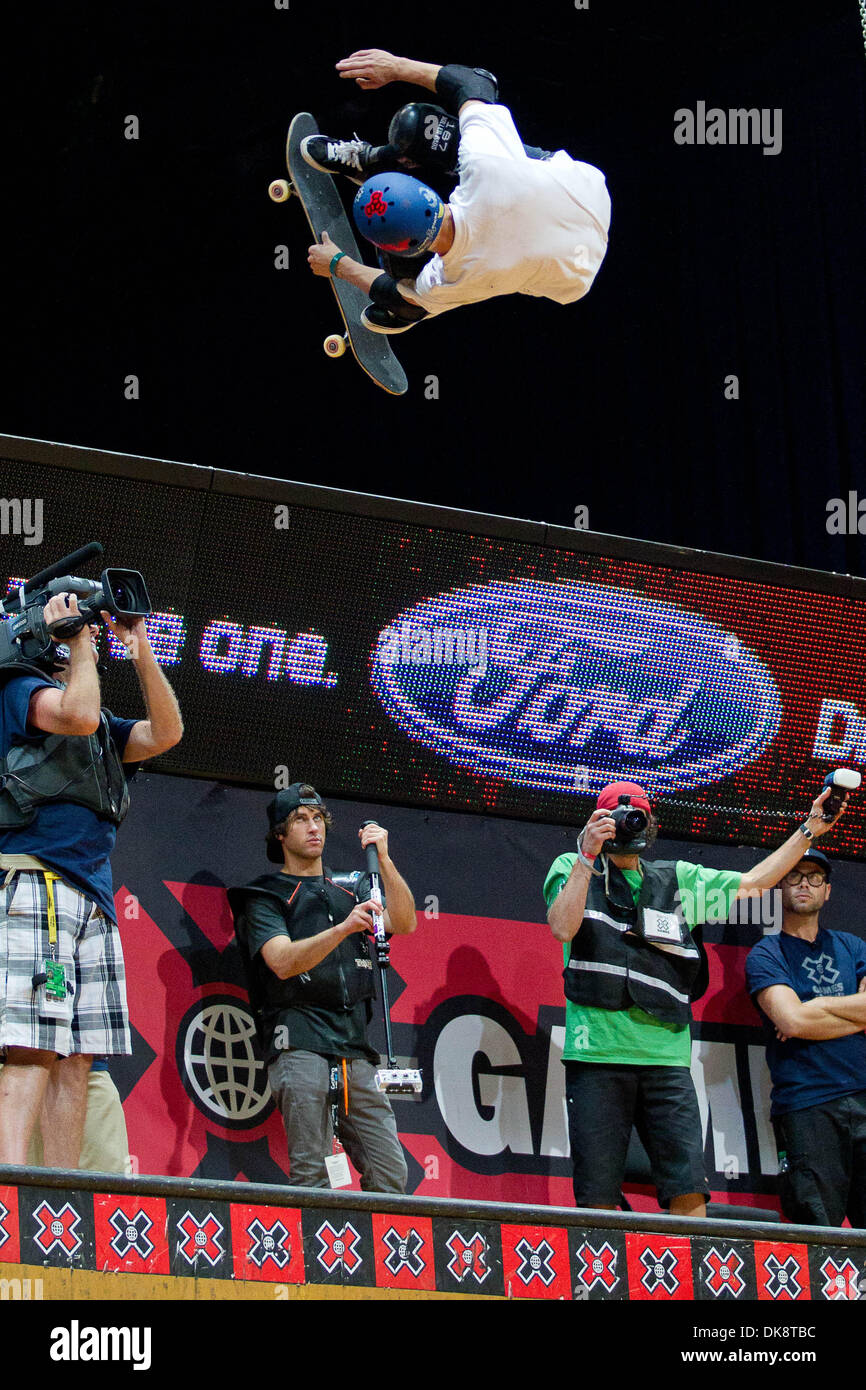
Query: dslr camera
(632, 828)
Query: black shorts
(822, 1177)
(604, 1101)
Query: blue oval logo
(566, 687)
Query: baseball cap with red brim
(609, 796)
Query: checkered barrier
(152, 1227)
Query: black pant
(822, 1162)
(604, 1100)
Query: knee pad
(426, 135)
(456, 84)
(402, 267)
(385, 294)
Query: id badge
(663, 927)
(55, 1001)
(337, 1168)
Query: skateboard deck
(325, 212)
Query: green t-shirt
(632, 1035)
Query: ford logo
(569, 686)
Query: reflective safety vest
(308, 906)
(625, 954)
(84, 769)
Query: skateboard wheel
(279, 191)
(334, 345)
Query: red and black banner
(204, 1236)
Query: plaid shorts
(95, 1019)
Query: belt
(14, 863)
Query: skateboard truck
(392, 1080)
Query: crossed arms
(833, 1016)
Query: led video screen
(388, 652)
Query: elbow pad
(456, 84)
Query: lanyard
(335, 1095)
(50, 879)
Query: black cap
(816, 857)
(282, 806)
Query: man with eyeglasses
(809, 984)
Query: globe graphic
(226, 1077)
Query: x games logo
(723, 1273)
(597, 1266)
(269, 1243)
(659, 1271)
(200, 1238)
(57, 1228)
(131, 1233)
(404, 1252)
(338, 1248)
(782, 1277)
(468, 1258)
(535, 1262)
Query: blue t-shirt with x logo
(807, 1072)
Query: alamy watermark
(714, 905)
(22, 516)
(77, 1343)
(846, 516)
(21, 1290)
(408, 644)
(736, 126)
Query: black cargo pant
(822, 1162)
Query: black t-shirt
(338, 1028)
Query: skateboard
(323, 206)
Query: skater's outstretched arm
(455, 86)
(375, 67)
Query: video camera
(27, 641)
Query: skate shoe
(349, 157)
(380, 320)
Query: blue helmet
(398, 213)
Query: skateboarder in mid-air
(519, 221)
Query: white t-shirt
(521, 225)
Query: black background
(155, 257)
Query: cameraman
(632, 968)
(62, 983)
